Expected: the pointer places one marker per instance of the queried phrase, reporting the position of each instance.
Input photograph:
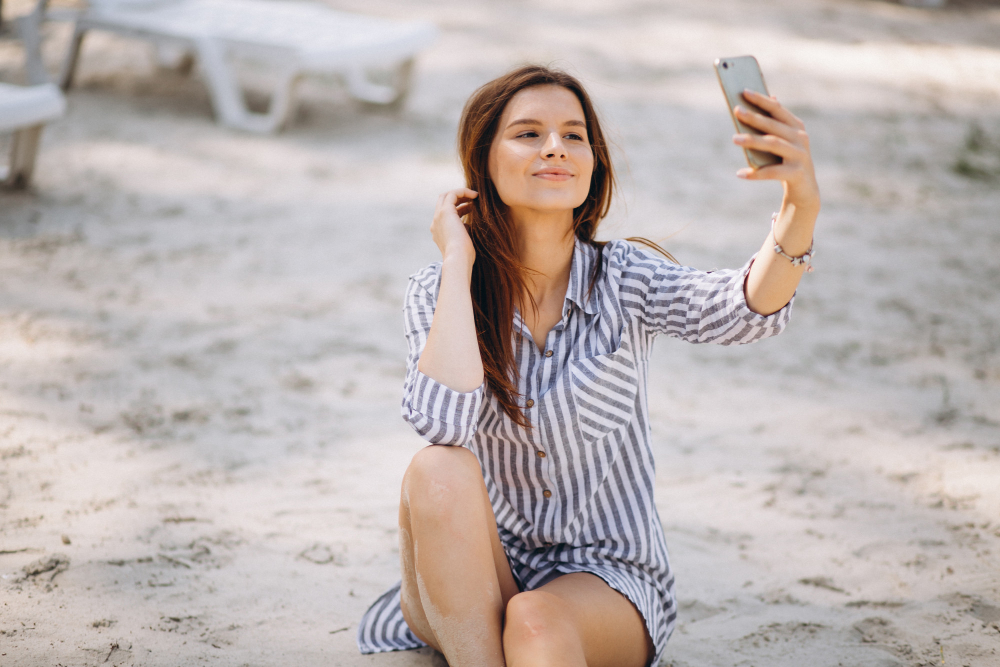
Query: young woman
(528, 533)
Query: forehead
(544, 103)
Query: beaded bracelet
(805, 258)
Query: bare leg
(456, 579)
(575, 620)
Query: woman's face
(541, 158)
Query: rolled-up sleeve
(442, 416)
(696, 306)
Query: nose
(554, 147)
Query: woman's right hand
(448, 230)
(451, 353)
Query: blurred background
(201, 350)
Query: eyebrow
(532, 121)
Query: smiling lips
(553, 174)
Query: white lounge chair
(24, 110)
(297, 38)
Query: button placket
(530, 403)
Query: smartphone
(736, 75)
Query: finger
(463, 193)
(437, 211)
(765, 124)
(773, 107)
(769, 144)
(774, 172)
(453, 197)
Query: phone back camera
(725, 65)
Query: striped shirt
(574, 493)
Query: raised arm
(443, 392)
(681, 302)
(451, 354)
(773, 278)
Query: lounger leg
(22, 157)
(227, 97)
(283, 100)
(72, 55)
(224, 89)
(30, 29)
(404, 77)
(392, 94)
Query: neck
(545, 248)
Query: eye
(574, 136)
(527, 134)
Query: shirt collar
(580, 272)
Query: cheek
(506, 166)
(497, 173)
(586, 167)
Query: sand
(201, 347)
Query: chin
(549, 204)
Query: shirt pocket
(604, 388)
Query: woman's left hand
(773, 278)
(784, 135)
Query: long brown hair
(498, 277)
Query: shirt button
(541, 454)
(530, 403)
(548, 353)
(547, 493)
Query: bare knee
(442, 479)
(536, 622)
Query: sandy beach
(201, 349)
